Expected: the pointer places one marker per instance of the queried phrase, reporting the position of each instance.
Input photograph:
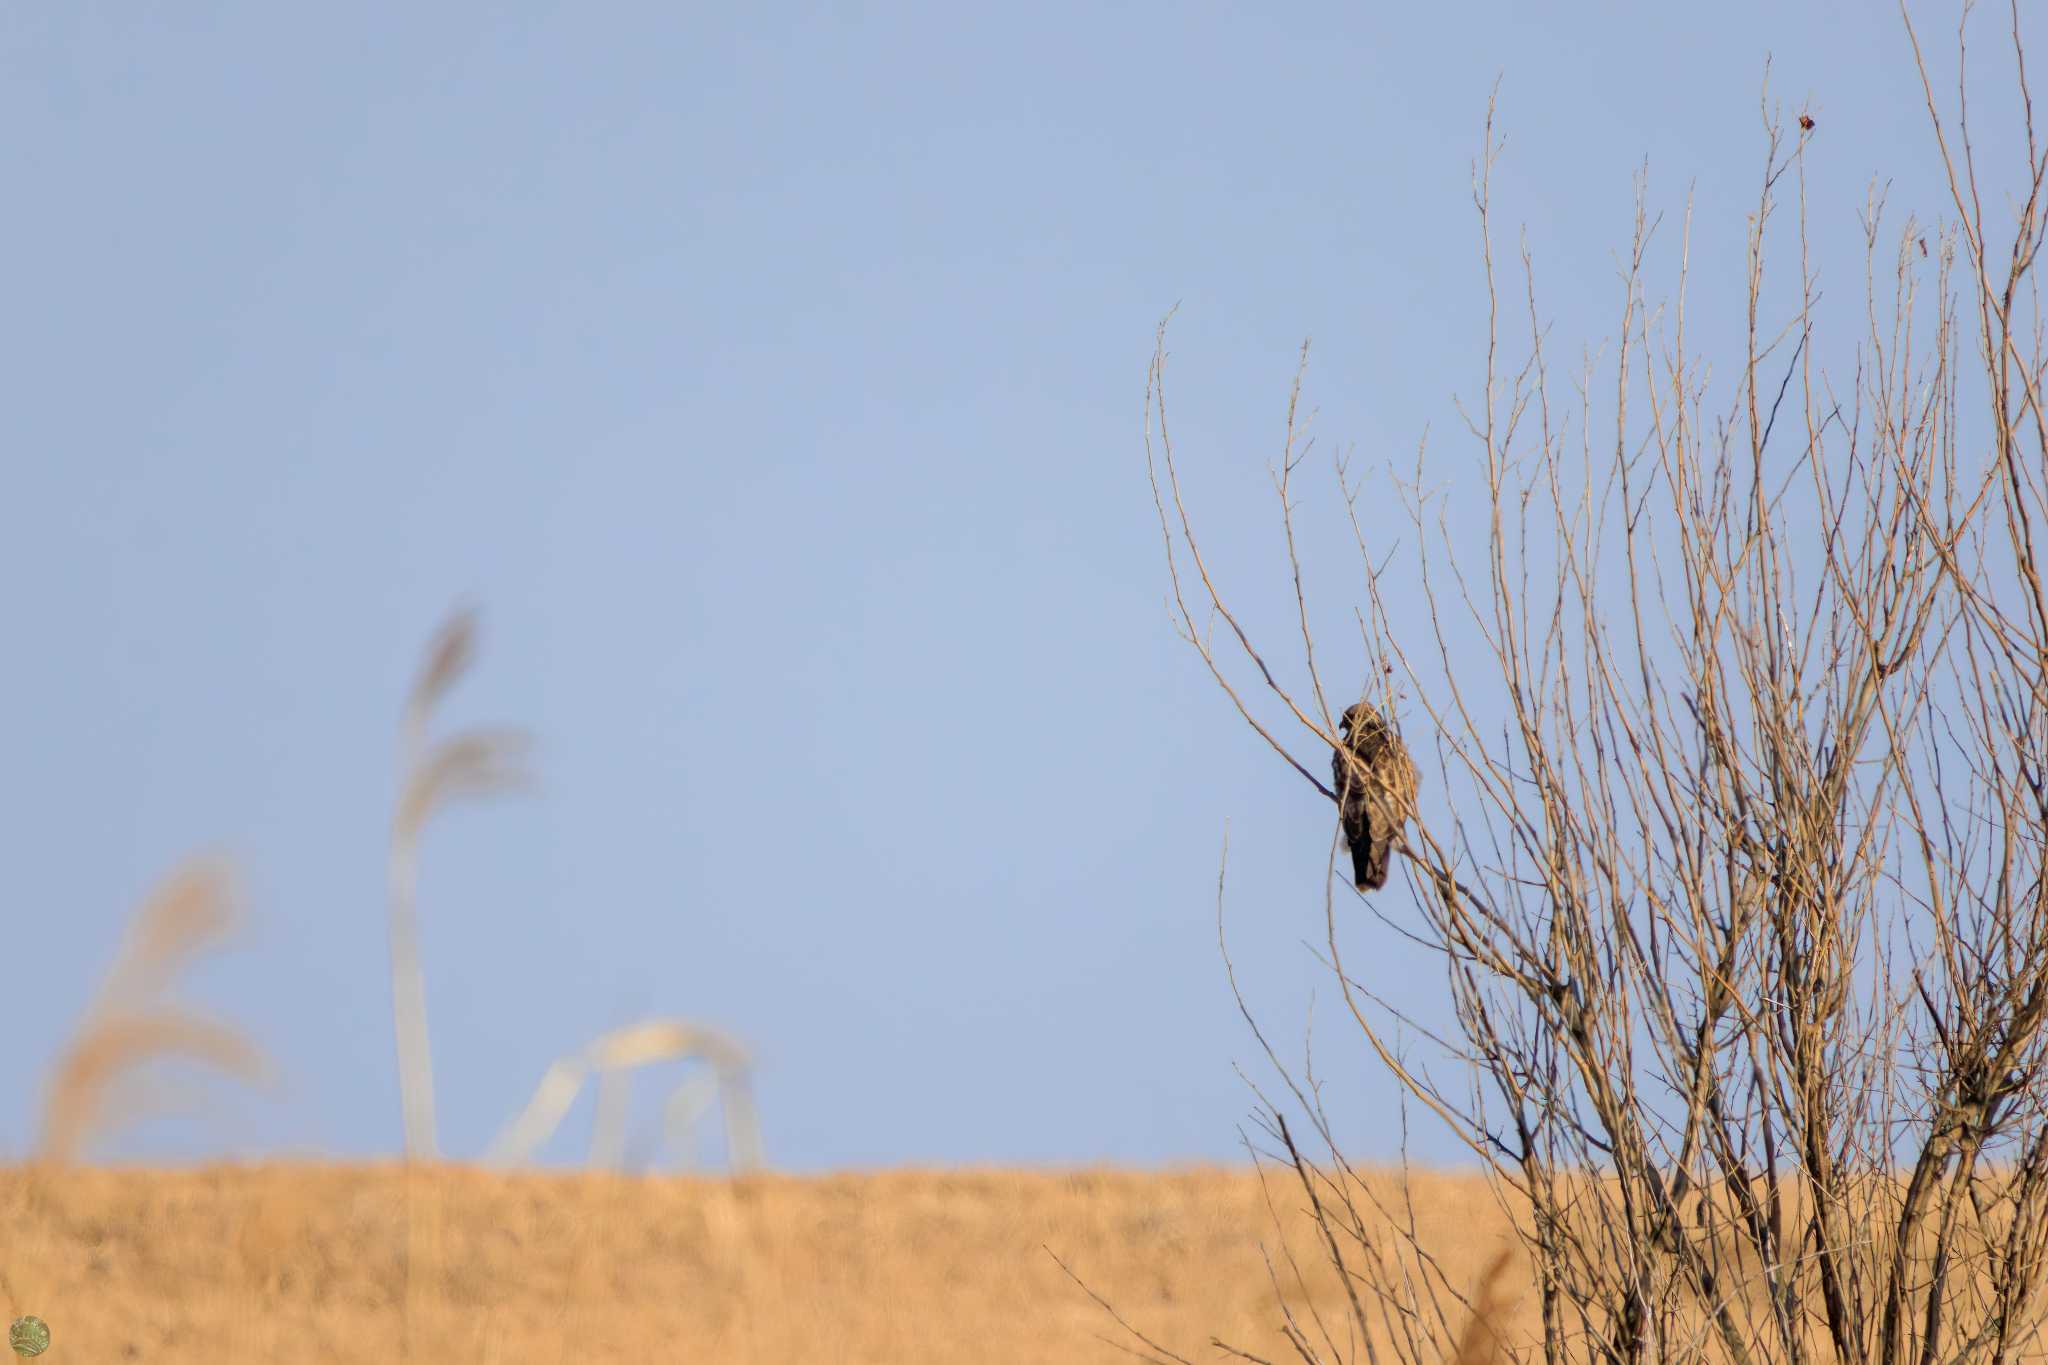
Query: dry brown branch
(1152, 1351)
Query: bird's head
(1360, 718)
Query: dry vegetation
(1735, 848)
(308, 1264)
(471, 764)
(1735, 854)
(100, 1082)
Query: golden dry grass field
(308, 1263)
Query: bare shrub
(1733, 843)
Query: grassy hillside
(308, 1263)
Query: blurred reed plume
(95, 1085)
(474, 763)
(726, 1080)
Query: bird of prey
(1376, 783)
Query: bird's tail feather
(1369, 860)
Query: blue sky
(771, 378)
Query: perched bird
(1375, 783)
